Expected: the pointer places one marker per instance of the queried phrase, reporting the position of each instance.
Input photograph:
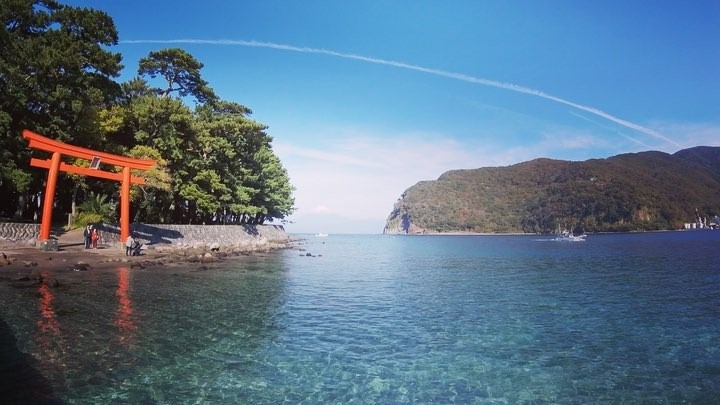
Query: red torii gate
(54, 165)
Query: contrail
(437, 72)
(637, 141)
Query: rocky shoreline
(22, 262)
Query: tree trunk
(20, 207)
(73, 204)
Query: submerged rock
(207, 258)
(81, 266)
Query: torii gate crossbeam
(54, 165)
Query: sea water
(379, 319)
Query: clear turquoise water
(630, 318)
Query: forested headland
(58, 78)
(630, 192)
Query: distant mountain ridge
(628, 192)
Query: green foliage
(214, 164)
(55, 73)
(97, 205)
(273, 183)
(86, 218)
(181, 72)
(645, 191)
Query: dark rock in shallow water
(98, 377)
(81, 266)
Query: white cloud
(360, 177)
(320, 209)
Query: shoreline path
(71, 253)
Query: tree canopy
(181, 73)
(57, 78)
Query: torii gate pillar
(54, 165)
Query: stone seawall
(24, 234)
(162, 236)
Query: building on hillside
(703, 223)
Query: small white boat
(567, 236)
(321, 235)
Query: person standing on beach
(87, 233)
(94, 236)
(129, 245)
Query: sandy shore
(16, 258)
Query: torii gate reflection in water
(55, 165)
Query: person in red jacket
(95, 236)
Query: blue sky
(366, 98)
